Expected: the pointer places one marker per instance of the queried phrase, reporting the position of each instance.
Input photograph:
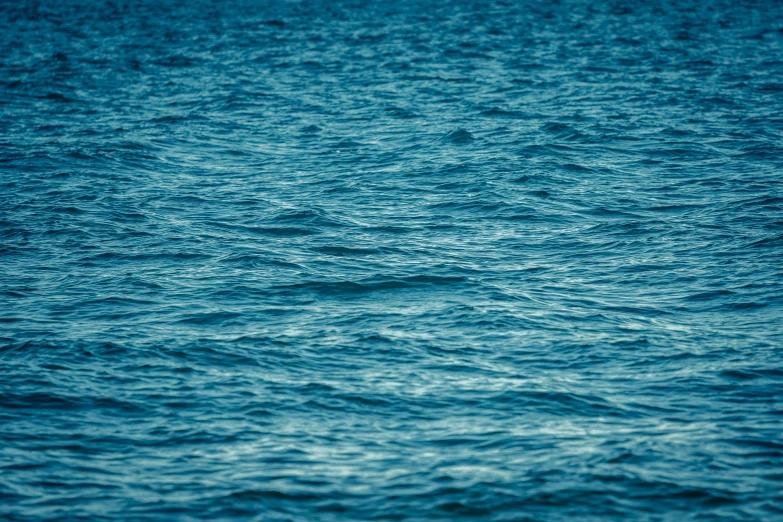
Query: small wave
(270, 231)
(460, 136)
(373, 284)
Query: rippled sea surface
(409, 260)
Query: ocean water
(413, 260)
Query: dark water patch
(347, 251)
(501, 113)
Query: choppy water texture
(408, 260)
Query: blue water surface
(413, 260)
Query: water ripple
(365, 260)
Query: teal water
(337, 261)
